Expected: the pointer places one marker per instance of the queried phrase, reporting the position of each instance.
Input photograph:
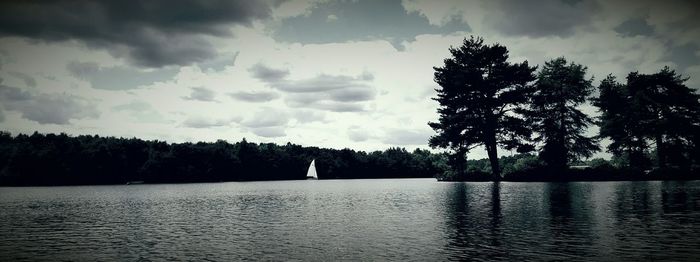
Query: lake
(325, 220)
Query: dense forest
(61, 159)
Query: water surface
(393, 219)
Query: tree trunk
(461, 161)
(491, 150)
(492, 146)
(630, 160)
(660, 154)
(562, 152)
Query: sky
(335, 74)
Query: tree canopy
(482, 97)
(485, 100)
(657, 108)
(619, 123)
(61, 159)
(558, 123)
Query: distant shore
(61, 160)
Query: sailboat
(311, 174)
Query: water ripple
(413, 220)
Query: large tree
(620, 123)
(650, 107)
(555, 117)
(482, 98)
(668, 108)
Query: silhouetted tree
(668, 109)
(657, 107)
(694, 153)
(620, 123)
(560, 126)
(481, 98)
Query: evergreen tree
(650, 107)
(668, 109)
(560, 126)
(620, 123)
(481, 98)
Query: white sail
(311, 174)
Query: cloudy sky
(337, 74)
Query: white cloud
(255, 97)
(266, 117)
(269, 131)
(203, 122)
(201, 94)
(358, 134)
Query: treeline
(528, 167)
(49, 159)
(652, 120)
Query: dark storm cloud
(571, 2)
(118, 78)
(11, 95)
(255, 97)
(154, 49)
(219, 64)
(151, 33)
(83, 70)
(268, 74)
(4, 57)
(539, 18)
(684, 56)
(27, 79)
(634, 27)
(46, 108)
(342, 21)
(201, 94)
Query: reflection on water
(417, 219)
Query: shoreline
(387, 178)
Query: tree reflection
(473, 227)
(570, 221)
(495, 216)
(676, 200)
